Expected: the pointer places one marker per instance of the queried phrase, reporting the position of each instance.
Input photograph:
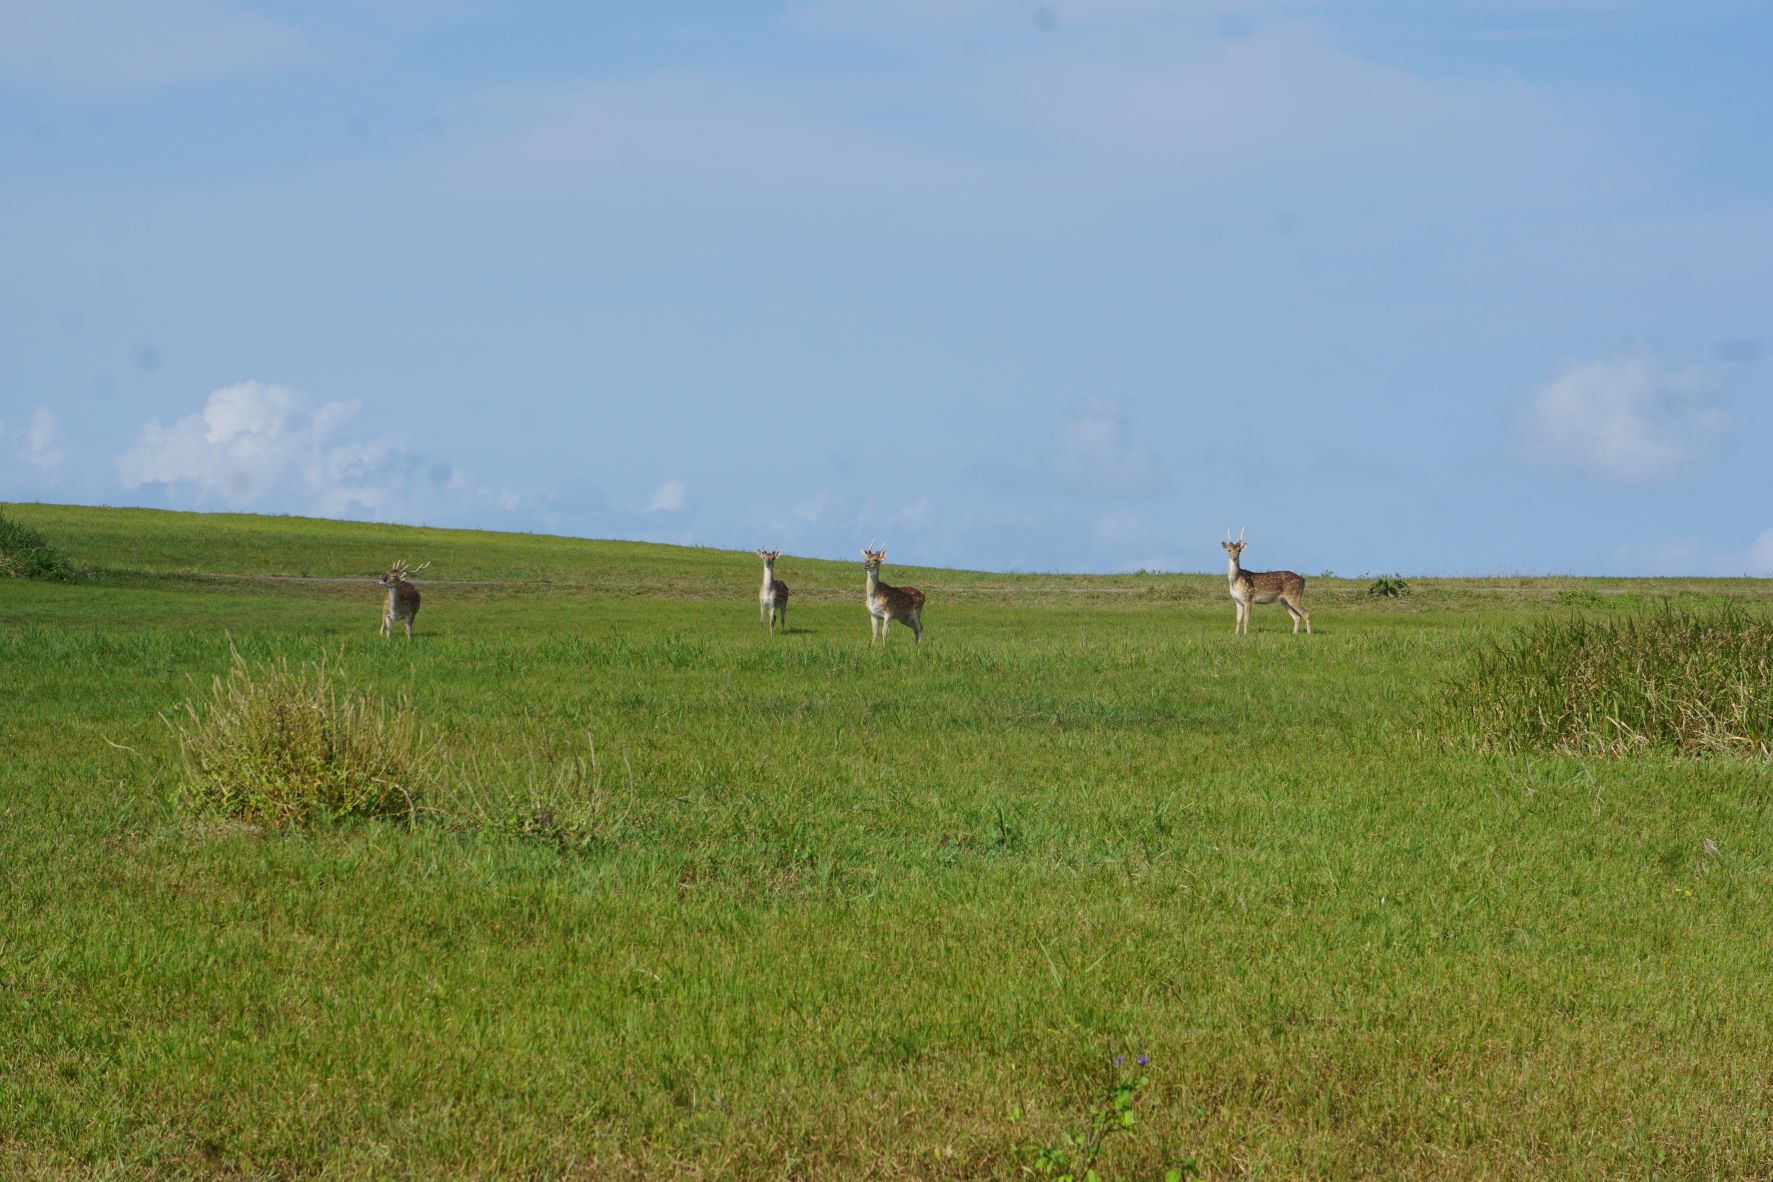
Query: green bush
(1673, 681)
(27, 554)
(1389, 586)
(284, 746)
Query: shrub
(284, 746)
(27, 554)
(1673, 681)
(1389, 586)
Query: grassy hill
(687, 900)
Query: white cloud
(1119, 528)
(109, 45)
(1039, 129)
(261, 446)
(1691, 557)
(917, 515)
(1759, 559)
(669, 497)
(43, 448)
(1095, 453)
(1623, 419)
(1666, 559)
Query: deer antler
(1240, 533)
(419, 568)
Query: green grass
(711, 905)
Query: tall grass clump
(561, 802)
(282, 745)
(27, 554)
(1681, 682)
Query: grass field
(832, 911)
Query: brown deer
(772, 601)
(886, 604)
(402, 602)
(1252, 586)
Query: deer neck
(873, 581)
(769, 576)
(1234, 572)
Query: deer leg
(409, 627)
(916, 623)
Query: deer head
(769, 555)
(871, 559)
(397, 573)
(1234, 548)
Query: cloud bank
(266, 447)
(1623, 419)
(1094, 453)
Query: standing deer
(886, 604)
(402, 602)
(772, 601)
(1253, 586)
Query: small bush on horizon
(27, 554)
(1681, 682)
(286, 746)
(1389, 586)
(1579, 597)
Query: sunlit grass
(685, 900)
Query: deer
(886, 604)
(402, 602)
(1251, 587)
(772, 600)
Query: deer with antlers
(402, 602)
(1252, 586)
(772, 600)
(886, 604)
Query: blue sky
(1483, 286)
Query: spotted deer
(1253, 586)
(886, 604)
(402, 602)
(772, 600)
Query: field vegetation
(1680, 682)
(26, 554)
(659, 895)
